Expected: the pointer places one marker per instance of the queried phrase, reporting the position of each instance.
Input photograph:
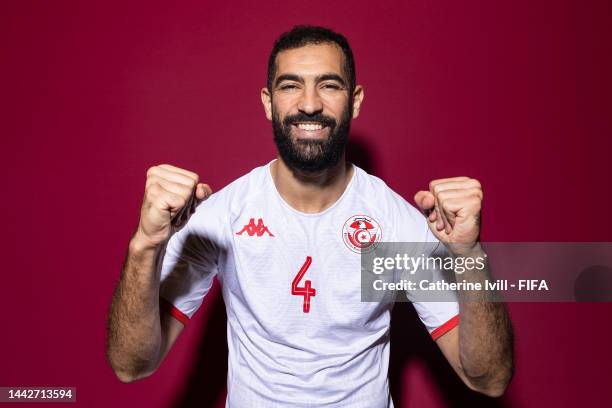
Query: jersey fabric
(298, 333)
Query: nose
(310, 101)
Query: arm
(480, 349)
(138, 335)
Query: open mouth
(310, 129)
(309, 126)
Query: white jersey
(298, 333)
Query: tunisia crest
(361, 233)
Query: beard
(307, 155)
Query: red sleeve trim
(445, 328)
(174, 311)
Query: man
(285, 241)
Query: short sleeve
(438, 316)
(190, 264)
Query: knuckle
(186, 191)
(153, 189)
(179, 188)
(444, 202)
(176, 199)
(151, 171)
(172, 199)
(152, 179)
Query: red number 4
(307, 291)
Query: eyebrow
(318, 78)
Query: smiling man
(285, 242)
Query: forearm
(134, 332)
(485, 335)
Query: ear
(357, 99)
(266, 100)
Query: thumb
(425, 200)
(202, 191)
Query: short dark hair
(302, 35)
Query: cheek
(281, 108)
(336, 105)
(284, 102)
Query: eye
(288, 86)
(331, 86)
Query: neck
(311, 192)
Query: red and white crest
(361, 233)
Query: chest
(296, 272)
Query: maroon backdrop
(516, 94)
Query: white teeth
(310, 126)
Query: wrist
(140, 243)
(473, 250)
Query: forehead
(310, 59)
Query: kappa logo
(255, 229)
(361, 233)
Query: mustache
(302, 117)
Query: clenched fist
(452, 206)
(171, 196)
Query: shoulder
(404, 216)
(384, 195)
(246, 187)
(211, 213)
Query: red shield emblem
(361, 233)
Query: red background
(516, 94)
